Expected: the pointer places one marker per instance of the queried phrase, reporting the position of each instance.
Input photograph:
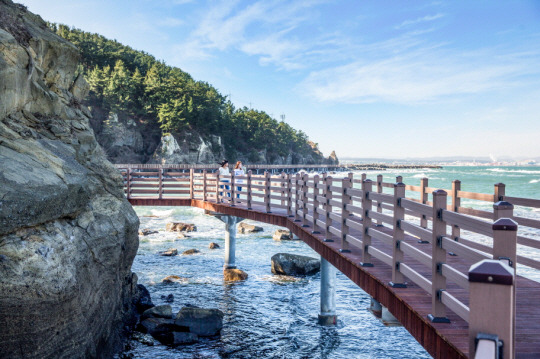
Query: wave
(534, 181)
(505, 170)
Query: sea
(270, 316)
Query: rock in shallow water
(159, 311)
(248, 228)
(234, 275)
(293, 264)
(168, 298)
(169, 252)
(282, 235)
(180, 227)
(174, 279)
(200, 321)
(143, 301)
(191, 251)
(213, 245)
(146, 232)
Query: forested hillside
(133, 87)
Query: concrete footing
(388, 319)
(376, 308)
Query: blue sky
(389, 79)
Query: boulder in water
(282, 235)
(169, 252)
(146, 232)
(200, 321)
(180, 227)
(248, 228)
(159, 311)
(174, 279)
(293, 264)
(213, 245)
(234, 275)
(191, 251)
(142, 300)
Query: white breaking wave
(505, 170)
(534, 181)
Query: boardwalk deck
(410, 305)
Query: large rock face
(188, 148)
(67, 235)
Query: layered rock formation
(67, 235)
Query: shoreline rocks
(169, 252)
(283, 235)
(213, 245)
(294, 265)
(200, 321)
(234, 275)
(191, 252)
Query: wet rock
(155, 326)
(182, 236)
(293, 264)
(282, 235)
(169, 252)
(183, 338)
(159, 311)
(248, 228)
(191, 251)
(213, 245)
(142, 301)
(180, 227)
(168, 298)
(234, 275)
(200, 321)
(146, 232)
(142, 338)
(174, 279)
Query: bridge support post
(375, 307)
(230, 240)
(328, 294)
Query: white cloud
(171, 22)
(426, 18)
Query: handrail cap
(503, 205)
(399, 184)
(505, 224)
(440, 192)
(491, 271)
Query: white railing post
(456, 203)
(315, 204)
(191, 183)
(366, 223)
(233, 189)
(423, 200)
(438, 257)
(128, 182)
(267, 191)
(289, 196)
(379, 203)
(491, 309)
(204, 195)
(249, 189)
(346, 183)
(218, 197)
(283, 186)
(328, 182)
(499, 192)
(297, 198)
(305, 190)
(397, 255)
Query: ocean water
(275, 317)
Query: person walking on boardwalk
(239, 170)
(224, 171)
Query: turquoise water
(267, 317)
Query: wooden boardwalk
(302, 202)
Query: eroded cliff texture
(67, 235)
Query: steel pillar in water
(230, 239)
(328, 294)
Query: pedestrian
(224, 171)
(239, 170)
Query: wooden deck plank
(409, 305)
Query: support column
(230, 240)
(328, 294)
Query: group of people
(238, 170)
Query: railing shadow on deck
(376, 217)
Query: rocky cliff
(67, 235)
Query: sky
(384, 79)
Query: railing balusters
(218, 197)
(289, 195)
(379, 203)
(438, 257)
(328, 182)
(398, 235)
(305, 190)
(315, 203)
(366, 222)
(204, 186)
(128, 182)
(456, 203)
(423, 199)
(297, 203)
(191, 183)
(249, 189)
(233, 189)
(346, 183)
(499, 192)
(268, 193)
